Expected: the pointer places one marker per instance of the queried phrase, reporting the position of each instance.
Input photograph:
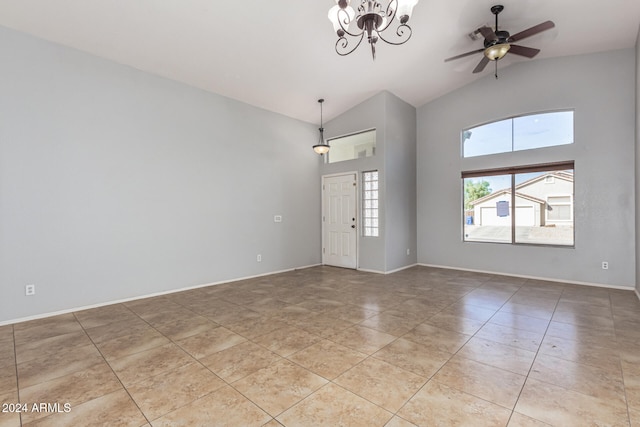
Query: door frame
(357, 206)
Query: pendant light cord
(321, 101)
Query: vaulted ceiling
(279, 54)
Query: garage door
(524, 217)
(489, 216)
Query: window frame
(466, 131)
(373, 131)
(569, 203)
(513, 171)
(370, 228)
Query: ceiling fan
(497, 43)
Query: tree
(474, 191)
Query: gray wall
(400, 184)
(601, 89)
(115, 183)
(395, 124)
(366, 115)
(637, 157)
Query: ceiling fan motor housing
(501, 38)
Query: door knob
(353, 226)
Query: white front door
(339, 220)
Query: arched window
(519, 133)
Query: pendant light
(321, 147)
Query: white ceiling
(279, 54)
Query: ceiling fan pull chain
(496, 70)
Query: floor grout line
(195, 303)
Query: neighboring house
(542, 201)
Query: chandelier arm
(390, 13)
(343, 43)
(402, 31)
(347, 21)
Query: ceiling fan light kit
(372, 20)
(497, 52)
(497, 43)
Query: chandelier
(372, 20)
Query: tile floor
(332, 347)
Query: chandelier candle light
(372, 20)
(321, 147)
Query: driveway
(534, 235)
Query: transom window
(351, 147)
(519, 133)
(520, 205)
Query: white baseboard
(386, 272)
(366, 270)
(400, 269)
(523, 276)
(172, 291)
(155, 294)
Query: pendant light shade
(321, 147)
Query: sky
(526, 132)
(502, 182)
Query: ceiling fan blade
(488, 33)
(529, 52)
(463, 55)
(532, 31)
(483, 63)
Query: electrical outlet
(30, 290)
(605, 265)
(259, 258)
